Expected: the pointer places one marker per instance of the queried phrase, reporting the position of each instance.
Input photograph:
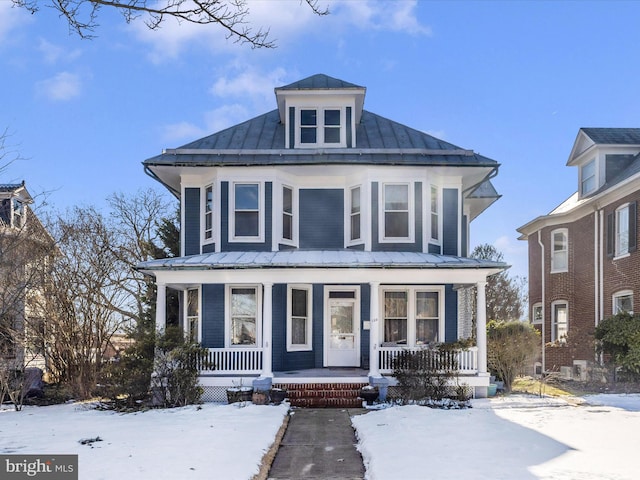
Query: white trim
(431, 239)
(620, 294)
(227, 315)
(411, 216)
(565, 233)
(347, 215)
(232, 211)
(308, 346)
(279, 223)
(357, 321)
(319, 126)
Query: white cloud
(10, 18)
(53, 53)
(250, 84)
(383, 15)
(63, 86)
(182, 131)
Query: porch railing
(231, 361)
(464, 361)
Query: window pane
(287, 200)
(331, 135)
(622, 231)
(243, 302)
(247, 197)
(308, 135)
(395, 304)
(427, 305)
(395, 330)
(537, 314)
(396, 197)
(308, 117)
(624, 303)
(355, 227)
(426, 331)
(287, 226)
(558, 241)
(332, 117)
(299, 331)
(396, 224)
(192, 303)
(341, 319)
(355, 200)
(243, 331)
(298, 303)
(247, 224)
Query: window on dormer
(321, 126)
(588, 177)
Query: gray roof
(319, 81)
(261, 141)
(317, 259)
(614, 136)
(10, 187)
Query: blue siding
(292, 127)
(209, 248)
(321, 218)
(279, 326)
(349, 136)
(450, 221)
(365, 315)
(191, 221)
(318, 325)
(213, 315)
(227, 246)
(434, 249)
(396, 247)
(464, 236)
(451, 314)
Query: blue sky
(513, 81)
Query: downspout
(542, 286)
(596, 265)
(601, 269)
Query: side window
(622, 230)
(247, 212)
(435, 214)
(193, 315)
(208, 213)
(299, 321)
(622, 302)
(536, 314)
(588, 177)
(355, 216)
(559, 250)
(288, 219)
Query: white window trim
(320, 126)
(411, 214)
(554, 268)
(309, 345)
(432, 239)
(411, 311)
(554, 320)
(212, 239)
(619, 294)
(533, 314)
(294, 222)
(348, 214)
(617, 253)
(232, 213)
(595, 176)
(227, 315)
(187, 323)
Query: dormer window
(588, 177)
(321, 127)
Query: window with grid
(244, 314)
(299, 318)
(395, 317)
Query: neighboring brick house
(583, 260)
(319, 240)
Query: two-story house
(25, 250)
(583, 259)
(320, 239)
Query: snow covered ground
(516, 438)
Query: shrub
(619, 337)
(510, 347)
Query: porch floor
(322, 375)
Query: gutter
(149, 172)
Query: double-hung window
(588, 177)
(299, 318)
(355, 214)
(412, 316)
(321, 126)
(536, 314)
(247, 212)
(287, 214)
(622, 302)
(193, 314)
(435, 214)
(208, 213)
(397, 209)
(243, 315)
(559, 250)
(621, 230)
(560, 322)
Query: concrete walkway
(319, 444)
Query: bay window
(247, 211)
(396, 223)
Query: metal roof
(319, 81)
(316, 259)
(614, 136)
(261, 141)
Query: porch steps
(319, 395)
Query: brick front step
(329, 395)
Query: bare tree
(230, 15)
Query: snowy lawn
(515, 437)
(214, 441)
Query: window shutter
(611, 234)
(633, 235)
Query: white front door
(342, 333)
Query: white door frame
(356, 321)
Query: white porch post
(374, 329)
(161, 307)
(481, 327)
(267, 328)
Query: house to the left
(26, 250)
